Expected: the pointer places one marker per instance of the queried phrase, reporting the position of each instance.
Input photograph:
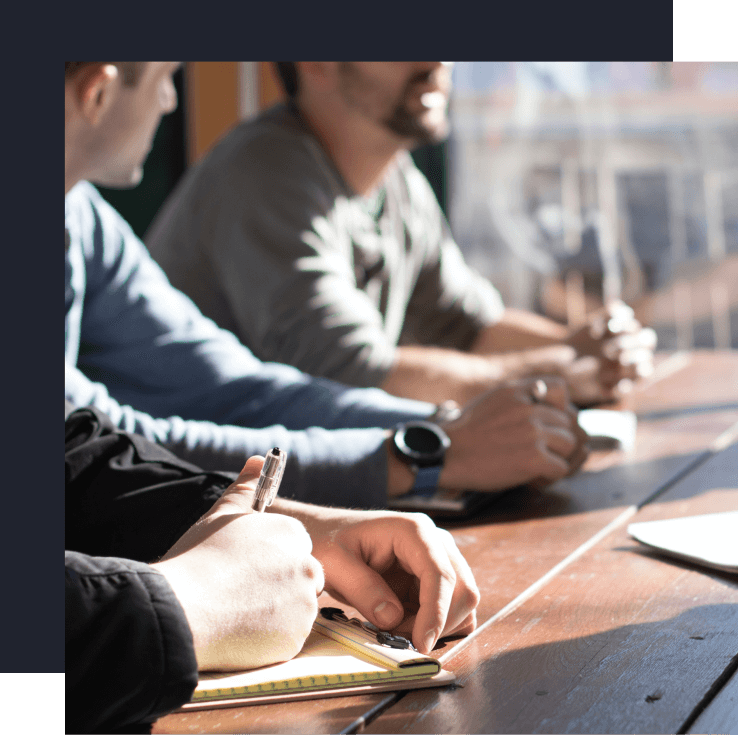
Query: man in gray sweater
(311, 235)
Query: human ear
(96, 90)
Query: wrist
(188, 598)
(421, 446)
(400, 478)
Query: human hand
(622, 347)
(247, 581)
(399, 570)
(508, 437)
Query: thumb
(245, 482)
(250, 470)
(363, 588)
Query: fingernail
(386, 613)
(429, 640)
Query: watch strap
(426, 480)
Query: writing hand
(247, 581)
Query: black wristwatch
(422, 446)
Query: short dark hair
(130, 70)
(287, 71)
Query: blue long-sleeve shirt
(141, 351)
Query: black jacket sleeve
(129, 650)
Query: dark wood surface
(720, 714)
(580, 630)
(620, 640)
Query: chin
(123, 181)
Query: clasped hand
(613, 350)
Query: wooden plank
(319, 715)
(711, 380)
(617, 642)
(720, 715)
(682, 411)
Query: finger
(548, 389)
(559, 440)
(244, 483)
(318, 574)
(581, 453)
(631, 366)
(251, 470)
(352, 580)
(620, 317)
(549, 466)
(583, 367)
(421, 555)
(636, 357)
(643, 339)
(466, 595)
(557, 393)
(550, 416)
(468, 625)
(612, 373)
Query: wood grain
(721, 715)
(619, 641)
(587, 632)
(711, 488)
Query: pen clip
(383, 637)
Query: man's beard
(409, 125)
(406, 125)
(401, 122)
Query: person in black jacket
(153, 594)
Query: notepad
(710, 539)
(339, 658)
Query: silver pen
(271, 476)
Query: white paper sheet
(711, 540)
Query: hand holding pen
(269, 479)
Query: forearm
(335, 467)
(519, 330)
(380, 476)
(435, 374)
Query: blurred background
(565, 183)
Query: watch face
(421, 443)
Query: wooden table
(580, 628)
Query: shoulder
(97, 227)
(85, 202)
(270, 150)
(89, 216)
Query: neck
(73, 163)
(69, 183)
(362, 155)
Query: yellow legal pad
(339, 657)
